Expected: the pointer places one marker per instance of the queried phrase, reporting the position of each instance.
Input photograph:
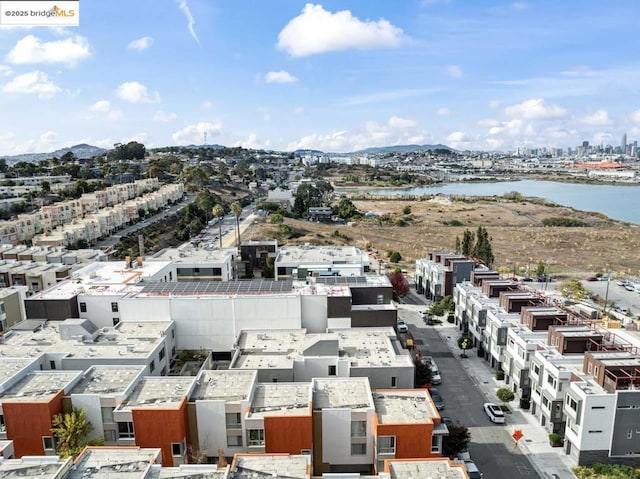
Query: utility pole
(606, 294)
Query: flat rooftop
(351, 393)
(159, 392)
(362, 347)
(12, 366)
(189, 471)
(41, 467)
(436, 468)
(192, 255)
(216, 288)
(305, 254)
(280, 399)
(107, 380)
(262, 466)
(224, 385)
(114, 462)
(39, 386)
(404, 407)
(127, 340)
(621, 358)
(544, 310)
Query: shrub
(505, 395)
(454, 223)
(500, 374)
(395, 257)
(277, 219)
(407, 210)
(400, 222)
(559, 221)
(555, 438)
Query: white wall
(597, 420)
(336, 438)
(212, 432)
(99, 309)
(91, 403)
(338, 323)
(313, 367)
(145, 309)
(314, 313)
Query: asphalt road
(491, 447)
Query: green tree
(406, 210)
(71, 430)
(572, 288)
(540, 268)
(218, 212)
(237, 211)
(464, 343)
(458, 245)
(505, 395)
(46, 187)
(467, 243)
(482, 248)
(457, 441)
(276, 219)
(424, 375)
(346, 209)
(395, 257)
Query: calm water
(619, 202)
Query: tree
(218, 212)
(395, 257)
(464, 343)
(457, 441)
(572, 288)
(467, 242)
(346, 209)
(276, 219)
(46, 187)
(540, 268)
(399, 283)
(407, 210)
(424, 375)
(71, 430)
(482, 248)
(237, 211)
(505, 395)
(458, 245)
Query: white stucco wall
(91, 403)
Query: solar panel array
(341, 279)
(218, 287)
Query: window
(177, 448)
(173, 334)
(536, 369)
(52, 364)
(162, 354)
(380, 299)
(109, 436)
(83, 307)
(629, 433)
(255, 437)
(358, 449)
(3, 427)
(115, 321)
(387, 445)
(332, 370)
(394, 382)
(49, 443)
(358, 428)
(125, 430)
(233, 420)
(436, 442)
(152, 366)
(107, 415)
(234, 441)
(114, 307)
(173, 351)
(597, 407)
(594, 431)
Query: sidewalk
(535, 443)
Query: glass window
(49, 443)
(234, 441)
(358, 449)
(332, 370)
(234, 420)
(152, 366)
(109, 436)
(255, 437)
(177, 448)
(161, 354)
(387, 445)
(125, 430)
(115, 321)
(107, 415)
(114, 307)
(83, 307)
(358, 428)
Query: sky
(336, 76)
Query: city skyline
(334, 76)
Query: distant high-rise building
(585, 145)
(623, 144)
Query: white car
(494, 412)
(402, 327)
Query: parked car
(447, 421)
(402, 327)
(464, 455)
(472, 470)
(494, 412)
(437, 399)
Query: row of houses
(89, 217)
(576, 375)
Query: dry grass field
(518, 237)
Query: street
(491, 448)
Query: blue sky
(335, 75)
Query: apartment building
(494, 336)
(298, 262)
(522, 344)
(438, 274)
(255, 254)
(410, 469)
(295, 355)
(12, 306)
(199, 264)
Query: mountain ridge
(81, 151)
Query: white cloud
(253, 143)
(49, 137)
(635, 116)
(5, 70)
(519, 5)
(184, 7)
(135, 92)
(456, 137)
(386, 96)
(299, 110)
(164, 116)
(493, 104)
(104, 107)
(443, 111)
(395, 131)
(280, 76)
(488, 122)
(140, 43)
(601, 137)
(101, 106)
(207, 105)
(317, 30)
(31, 50)
(534, 109)
(194, 134)
(139, 137)
(454, 71)
(33, 82)
(597, 118)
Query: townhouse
(438, 273)
(12, 306)
(298, 262)
(198, 264)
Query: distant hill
(402, 149)
(82, 152)
(308, 152)
(211, 147)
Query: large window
(255, 437)
(358, 428)
(234, 441)
(332, 370)
(114, 307)
(358, 449)
(233, 420)
(386, 445)
(125, 430)
(177, 448)
(109, 436)
(107, 415)
(83, 307)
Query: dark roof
(218, 287)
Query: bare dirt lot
(518, 236)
